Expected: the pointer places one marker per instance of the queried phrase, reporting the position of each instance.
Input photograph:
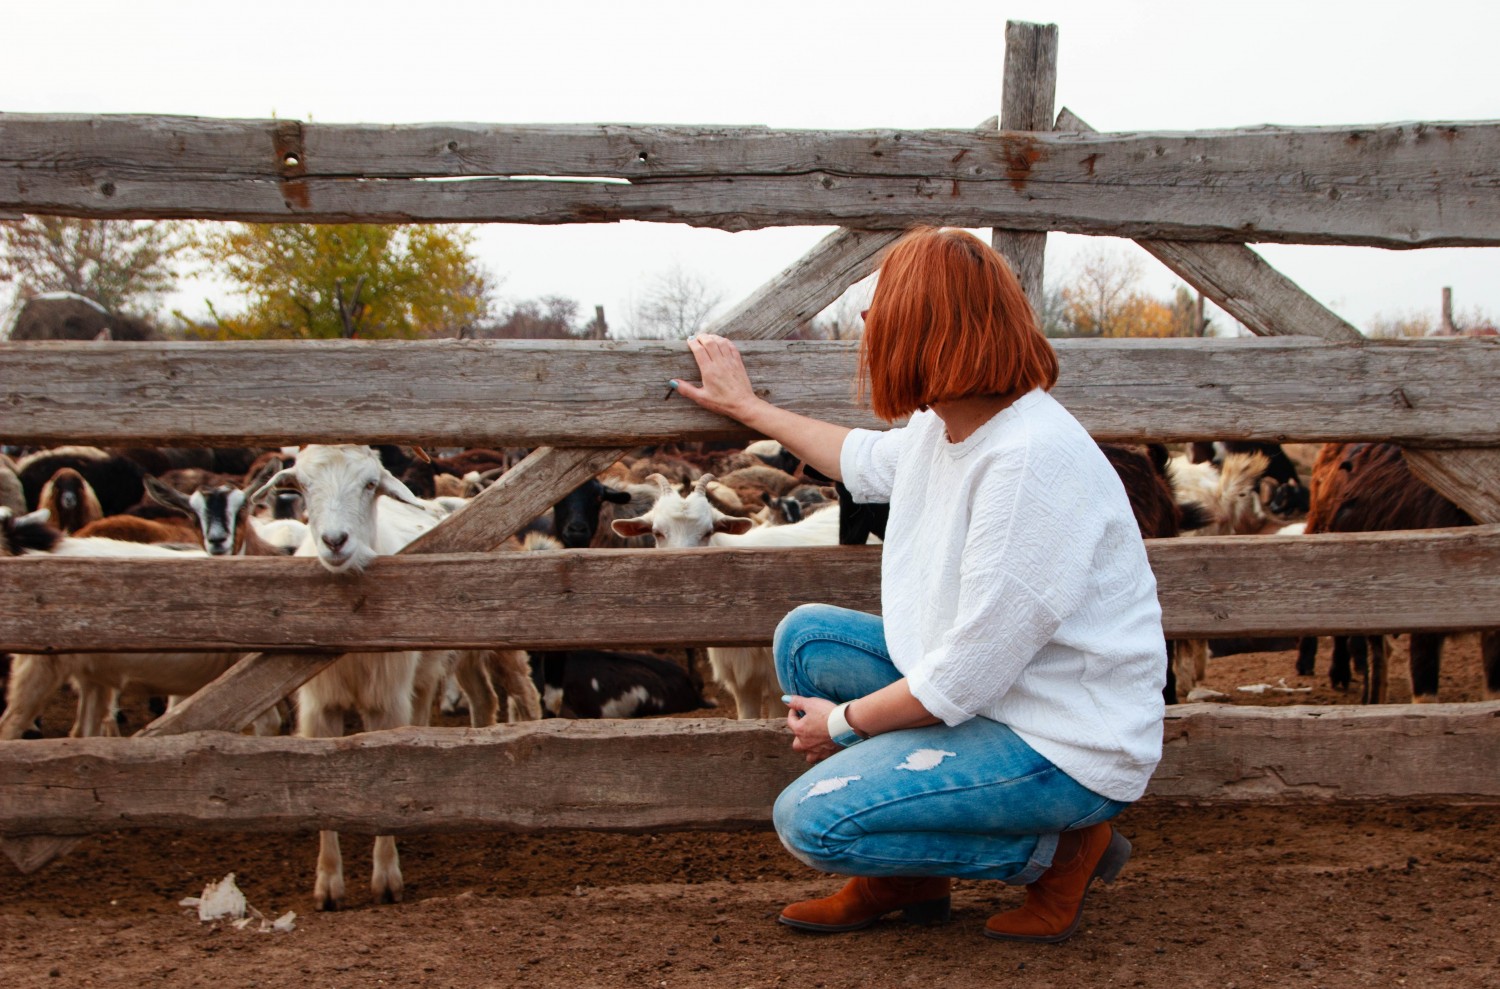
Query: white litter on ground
(1206, 694)
(224, 901)
(1280, 688)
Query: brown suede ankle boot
(863, 901)
(1054, 903)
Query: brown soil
(1387, 895)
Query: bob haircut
(949, 320)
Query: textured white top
(1015, 586)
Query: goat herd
(346, 505)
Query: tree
(1104, 300)
(552, 317)
(123, 265)
(676, 306)
(1104, 281)
(307, 281)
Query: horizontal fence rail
(1389, 185)
(527, 393)
(609, 775)
(1237, 585)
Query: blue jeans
(973, 801)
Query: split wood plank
(1391, 185)
(563, 774)
(1269, 304)
(1030, 90)
(529, 393)
(1423, 580)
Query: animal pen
(1191, 199)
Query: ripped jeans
(973, 801)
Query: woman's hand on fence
(726, 385)
(808, 721)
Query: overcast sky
(783, 63)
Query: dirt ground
(1346, 896)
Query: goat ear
(168, 496)
(287, 476)
(613, 495)
(630, 528)
(391, 487)
(733, 524)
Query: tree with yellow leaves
(306, 281)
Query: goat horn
(275, 481)
(702, 483)
(660, 480)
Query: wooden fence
(1191, 199)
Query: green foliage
(123, 265)
(307, 281)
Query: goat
(12, 494)
(588, 683)
(1367, 487)
(97, 676)
(575, 519)
(131, 529)
(70, 500)
(678, 522)
(345, 487)
(116, 480)
(222, 514)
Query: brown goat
(130, 529)
(1367, 487)
(71, 500)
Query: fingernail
(786, 698)
(672, 383)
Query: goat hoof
(328, 904)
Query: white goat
(680, 522)
(348, 527)
(1230, 497)
(97, 676)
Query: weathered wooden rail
(1193, 200)
(1434, 393)
(568, 774)
(1226, 586)
(1376, 185)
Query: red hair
(949, 320)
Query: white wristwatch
(839, 729)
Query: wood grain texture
(1240, 281)
(1468, 478)
(1405, 581)
(534, 393)
(674, 774)
(1393, 185)
(1026, 105)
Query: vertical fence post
(1026, 104)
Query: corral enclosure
(1192, 200)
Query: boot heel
(929, 912)
(1115, 857)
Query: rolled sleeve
(868, 461)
